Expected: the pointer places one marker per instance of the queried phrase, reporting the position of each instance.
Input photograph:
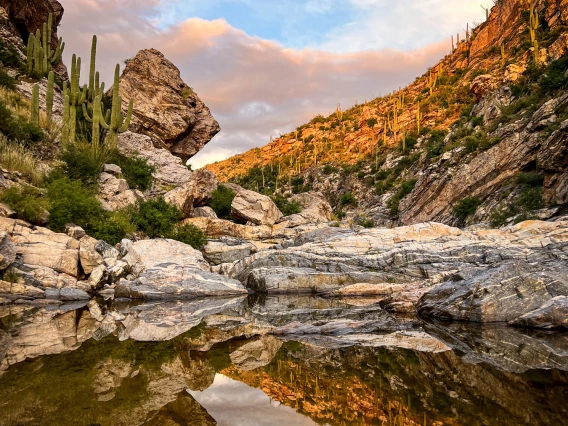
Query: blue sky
(264, 67)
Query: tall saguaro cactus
(74, 98)
(119, 123)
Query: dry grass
(15, 157)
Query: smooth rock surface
(256, 208)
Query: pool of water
(275, 361)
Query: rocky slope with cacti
(479, 138)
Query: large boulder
(195, 193)
(178, 281)
(166, 108)
(227, 250)
(253, 207)
(156, 252)
(552, 315)
(315, 209)
(42, 248)
(115, 194)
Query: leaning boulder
(315, 209)
(254, 207)
(165, 108)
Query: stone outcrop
(7, 251)
(169, 169)
(115, 194)
(196, 192)
(44, 258)
(227, 250)
(315, 209)
(330, 259)
(166, 108)
(253, 207)
(498, 294)
(168, 269)
(551, 315)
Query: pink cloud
(255, 88)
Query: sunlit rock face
(165, 108)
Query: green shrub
(9, 56)
(339, 214)
(18, 128)
(189, 234)
(136, 171)
(348, 199)
(531, 179)
(221, 201)
(405, 189)
(285, 206)
(156, 218)
(6, 80)
(555, 77)
(329, 169)
(365, 222)
(28, 202)
(72, 202)
(371, 122)
(466, 207)
(81, 164)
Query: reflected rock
(256, 353)
(506, 348)
(183, 411)
(164, 321)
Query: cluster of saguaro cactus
(91, 97)
(115, 122)
(48, 100)
(40, 56)
(533, 26)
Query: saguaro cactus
(35, 105)
(533, 26)
(49, 95)
(119, 123)
(432, 80)
(419, 117)
(40, 56)
(75, 96)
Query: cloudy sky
(266, 66)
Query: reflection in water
(282, 361)
(234, 403)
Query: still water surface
(275, 361)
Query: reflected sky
(233, 403)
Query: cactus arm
(126, 124)
(49, 95)
(84, 93)
(86, 113)
(56, 55)
(30, 54)
(47, 42)
(92, 86)
(45, 49)
(65, 128)
(37, 52)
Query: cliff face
(476, 88)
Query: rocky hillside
(477, 138)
